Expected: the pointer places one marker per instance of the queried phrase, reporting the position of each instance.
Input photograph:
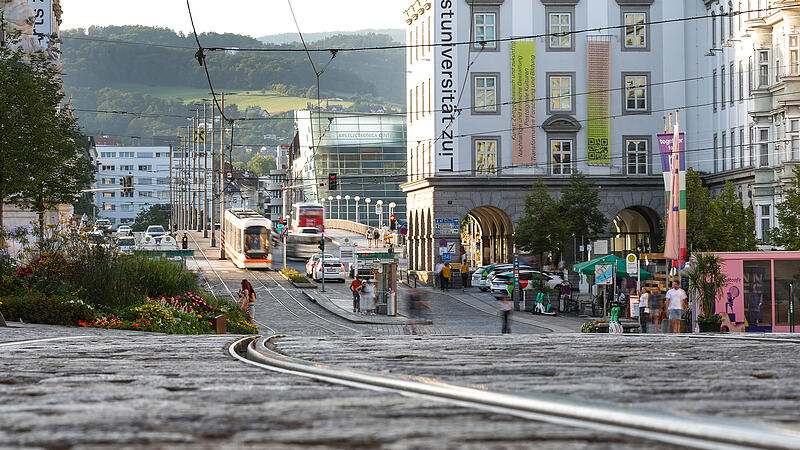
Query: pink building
(756, 297)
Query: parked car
(98, 238)
(155, 232)
(477, 274)
(485, 283)
(313, 260)
(126, 244)
(501, 280)
(103, 225)
(331, 269)
(124, 230)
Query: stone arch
(635, 229)
(495, 229)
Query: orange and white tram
(247, 239)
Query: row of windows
(562, 155)
(131, 155)
(561, 96)
(124, 167)
(747, 9)
(729, 155)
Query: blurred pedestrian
(438, 269)
(355, 288)
(446, 277)
(505, 308)
(418, 309)
(368, 294)
(644, 309)
(676, 302)
(376, 236)
(247, 298)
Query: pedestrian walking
(676, 298)
(369, 237)
(247, 298)
(368, 294)
(505, 308)
(376, 236)
(355, 288)
(656, 311)
(644, 309)
(438, 269)
(418, 309)
(446, 277)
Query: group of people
(443, 275)
(364, 290)
(378, 236)
(651, 308)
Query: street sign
(442, 242)
(446, 227)
(631, 264)
(447, 257)
(404, 230)
(603, 274)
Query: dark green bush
(11, 285)
(35, 307)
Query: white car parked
(332, 269)
(124, 230)
(312, 261)
(155, 232)
(126, 244)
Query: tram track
(677, 428)
(258, 278)
(234, 298)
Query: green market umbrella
(587, 268)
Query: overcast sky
(250, 17)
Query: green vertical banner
(598, 104)
(523, 105)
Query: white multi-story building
(753, 71)
(535, 89)
(150, 169)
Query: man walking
(644, 309)
(355, 288)
(438, 270)
(675, 298)
(446, 277)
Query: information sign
(447, 257)
(603, 274)
(446, 227)
(632, 264)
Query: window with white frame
(144, 155)
(126, 208)
(741, 81)
(108, 168)
(109, 207)
(794, 139)
(734, 149)
(108, 181)
(561, 156)
(107, 154)
(146, 168)
(484, 29)
(560, 93)
(763, 147)
(777, 54)
(485, 93)
(794, 55)
(716, 153)
(636, 150)
(486, 156)
(749, 75)
(764, 222)
(763, 68)
(635, 29)
(713, 29)
(636, 93)
(145, 193)
(751, 146)
(560, 26)
(126, 154)
(143, 180)
(724, 152)
(741, 148)
(722, 85)
(126, 167)
(714, 89)
(108, 195)
(732, 86)
(722, 25)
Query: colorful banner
(523, 105)
(673, 166)
(598, 104)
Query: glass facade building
(367, 152)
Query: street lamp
(330, 206)
(379, 212)
(338, 207)
(367, 201)
(347, 207)
(357, 198)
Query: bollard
(220, 324)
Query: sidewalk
(343, 307)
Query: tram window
(256, 239)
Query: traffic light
(321, 245)
(127, 184)
(392, 222)
(333, 183)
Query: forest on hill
(153, 70)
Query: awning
(587, 268)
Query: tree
(154, 215)
(722, 224)
(261, 165)
(787, 233)
(580, 202)
(42, 163)
(542, 228)
(706, 279)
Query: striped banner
(673, 166)
(598, 104)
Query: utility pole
(205, 173)
(222, 180)
(179, 184)
(214, 199)
(198, 200)
(186, 198)
(171, 204)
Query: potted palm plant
(706, 280)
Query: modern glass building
(367, 152)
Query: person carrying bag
(247, 298)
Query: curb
(331, 307)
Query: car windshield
(256, 239)
(155, 229)
(126, 242)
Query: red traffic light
(391, 217)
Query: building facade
(514, 91)
(753, 71)
(366, 152)
(150, 168)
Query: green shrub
(11, 285)
(35, 307)
(294, 275)
(154, 313)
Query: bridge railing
(347, 225)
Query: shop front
(758, 292)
